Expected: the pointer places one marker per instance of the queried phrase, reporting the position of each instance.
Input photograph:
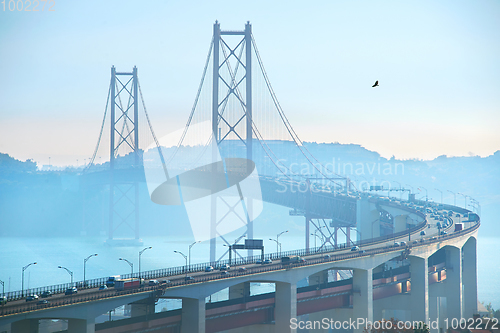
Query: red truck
(128, 283)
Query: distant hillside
(55, 203)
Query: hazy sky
(437, 63)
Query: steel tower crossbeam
(128, 136)
(219, 117)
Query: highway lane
(251, 268)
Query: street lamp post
(441, 195)
(230, 249)
(22, 283)
(278, 244)
(69, 272)
(400, 193)
(454, 197)
(130, 264)
(140, 253)
(84, 266)
(465, 199)
(315, 235)
(426, 197)
(185, 258)
(189, 253)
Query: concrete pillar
(469, 278)
(239, 290)
(81, 326)
(400, 223)
(285, 306)
(453, 289)
(142, 309)
(419, 297)
(318, 278)
(367, 219)
(193, 315)
(24, 326)
(362, 297)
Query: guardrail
(5, 311)
(216, 275)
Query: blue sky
(437, 63)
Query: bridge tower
(124, 135)
(224, 125)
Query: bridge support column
(400, 223)
(24, 326)
(193, 315)
(285, 306)
(240, 290)
(366, 217)
(81, 326)
(419, 297)
(362, 297)
(146, 307)
(469, 278)
(319, 278)
(453, 282)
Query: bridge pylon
(124, 135)
(230, 84)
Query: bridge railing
(215, 276)
(200, 267)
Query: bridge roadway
(84, 307)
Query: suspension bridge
(238, 135)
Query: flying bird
(376, 84)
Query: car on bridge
(71, 291)
(46, 294)
(355, 248)
(153, 282)
(209, 269)
(267, 262)
(188, 278)
(224, 267)
(31, 298)
(3, 300)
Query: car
(355, 248)
(362, 251)
(164, 281)
(31, 298)
(302, 260)
(415, 242)
(258, 262)
(443, 233)
(242, 269)
(327, 256)
(433, 238)
(224, 267)
(422, 233)
(153, 282)
(267, 262)
(422, 240)
(103, 287)
(43, 301)
(402, 243)
(396, 244)
(209, 269)
(3, 300)
(224, 273)
(71, 291)
(46, 294)
(188, 278)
